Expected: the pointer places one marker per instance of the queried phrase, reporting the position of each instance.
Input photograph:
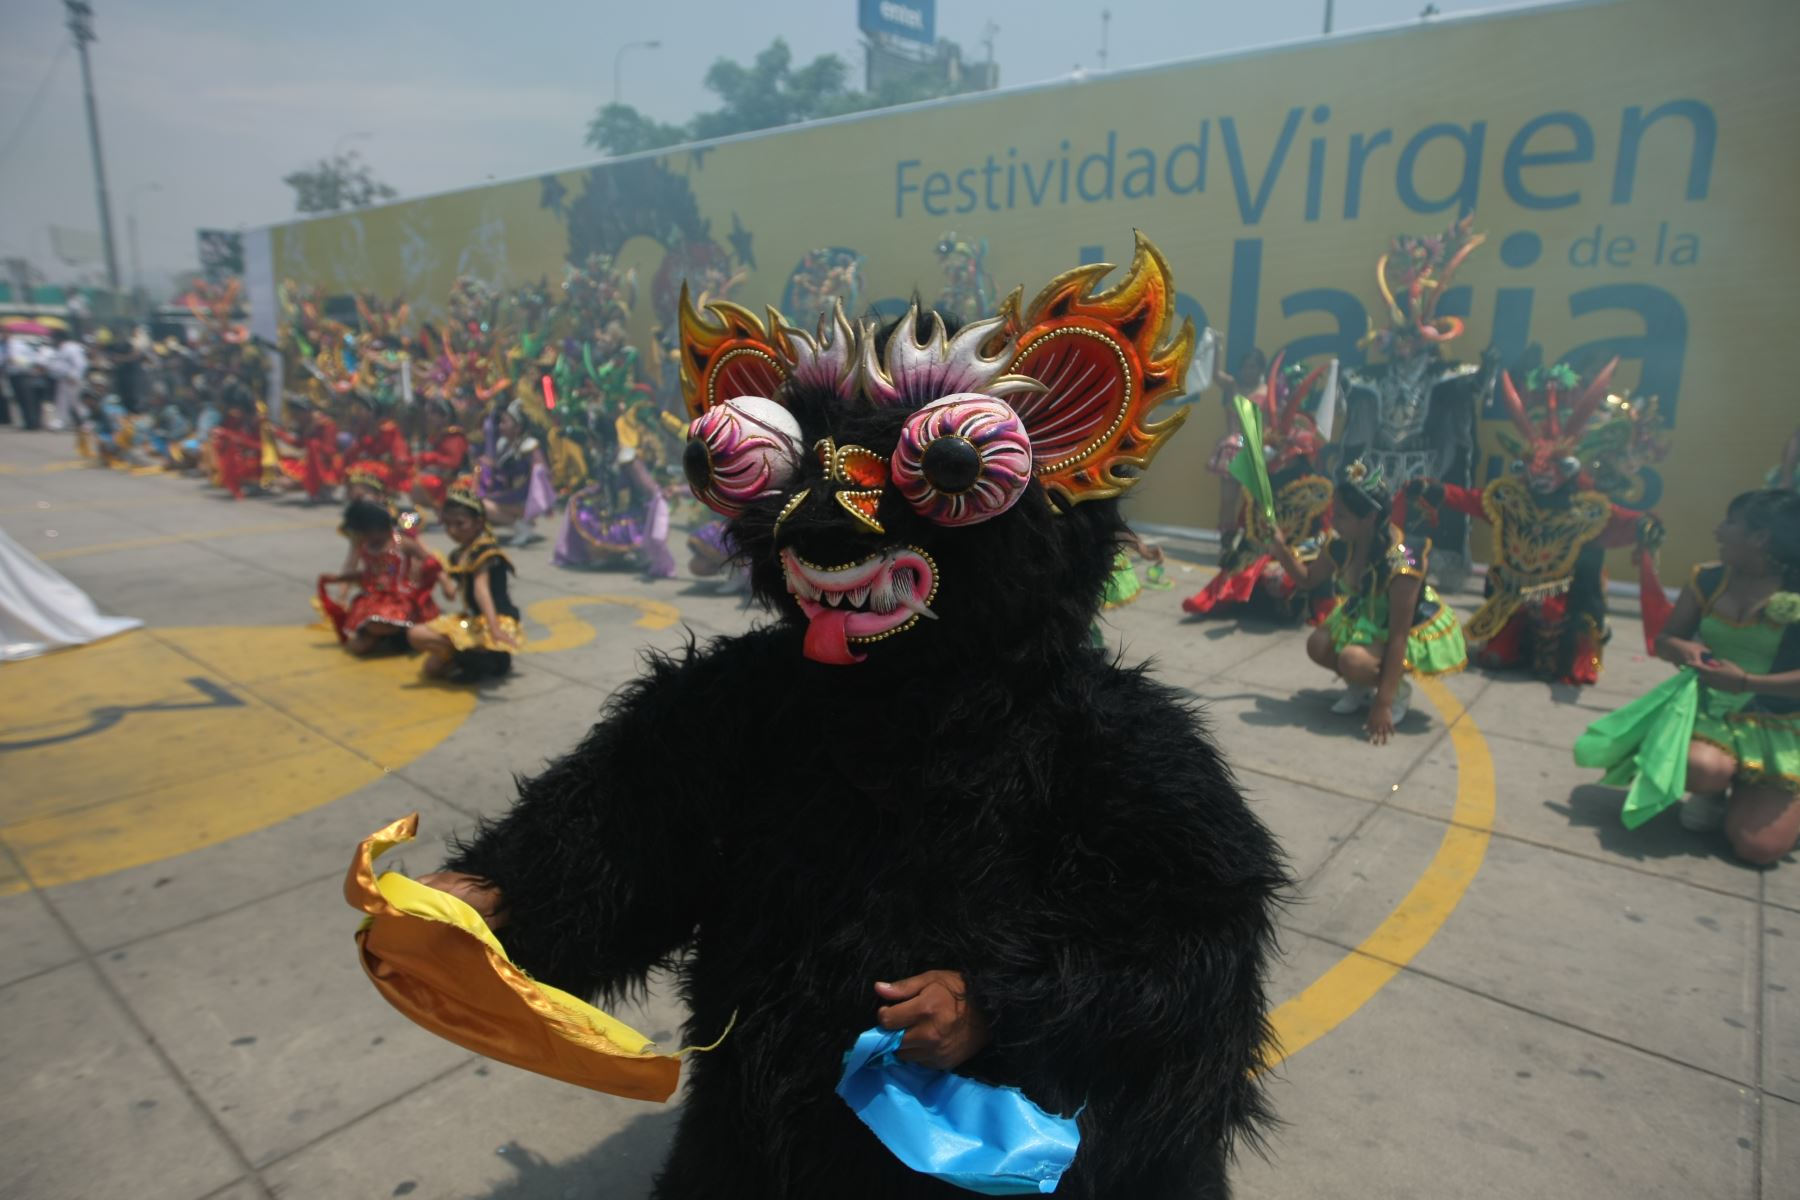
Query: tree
(622, 129)
(768, 92)
(339, 182)
(771, 92)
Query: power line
(37, 99)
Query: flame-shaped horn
(1592, 396)
(1290, 408)
(1387, 293)
(1272, 396)
(1515, 407)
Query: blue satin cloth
(987, 1139)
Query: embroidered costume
(621, 516)
(479, 653)
(1414, 414)
(381, 448)
(394, 593)
(1435, 644)
(1546, 589)
(318, 465)
(1644, 745)
(440, 463)
(516, 473)
(920, 765)
(235, 447)
(1249, 575)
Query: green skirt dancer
(1644, 745)
(1434, 646)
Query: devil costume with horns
(918, 765)
(1413, 415)
(1250, 575)
(1546, 588)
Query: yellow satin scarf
(434, 958)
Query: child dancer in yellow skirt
(476, 642)
(1388, 623)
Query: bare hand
(1722, 676)
(942, 1029)
(1380, 725)
(472, 890)
(1687, 653)
(500, 635)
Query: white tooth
(860, 597)
(834, 598)
(915, 605)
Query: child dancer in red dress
(395, 574)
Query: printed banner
(1631, 163)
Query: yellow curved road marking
(46, 468)
(56, 507)
(170, 539)
(303, 725)
(568, 631)
(1330, 999)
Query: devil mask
(1552, 451)
(927, 486)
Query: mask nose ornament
(862, 475)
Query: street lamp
(137, 273)
(619, 62)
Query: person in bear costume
(917, 797)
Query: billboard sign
(905, 20)
(1642, 214)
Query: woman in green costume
(1123, 586)
(1726, 728)
(1388, 622)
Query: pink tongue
(828, 638)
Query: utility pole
(131, 235)
(81, 24)
(1105, 31)
(1327, 16)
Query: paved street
(1490, 988)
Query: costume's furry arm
(600, 863)
(1139, 988)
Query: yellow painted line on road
(170, 539)
(1330, 1000)
(568, 631)
(54, 507)
(46, 468)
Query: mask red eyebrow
(864, 468)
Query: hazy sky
(215, 100)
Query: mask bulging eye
(1516, 466)
(963, 459)
(744, 450)
(1571, 467)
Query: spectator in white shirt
(68, 365)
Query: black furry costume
(984, 794)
